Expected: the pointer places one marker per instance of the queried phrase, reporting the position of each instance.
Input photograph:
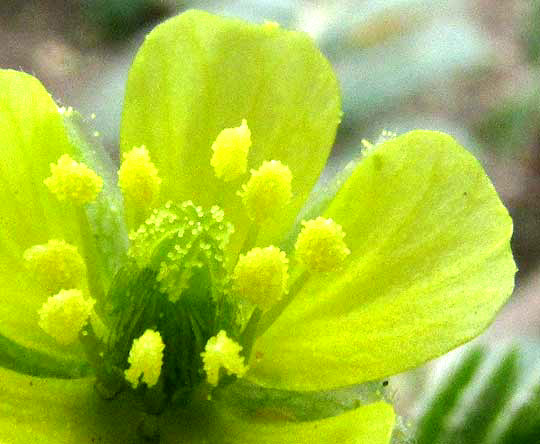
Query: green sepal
(51, 411)
(247, 399)
(369, 424)
(207, 422)
(430, 266)
(197, 74)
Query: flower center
(173, 319)
(174, 283)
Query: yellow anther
(73, 181)
(221, 351)
(56, 265)
(63, 315)
(145, 359)
(267, 191)
(261, 276)
(138, 178)
(320, 245)
(231, 148)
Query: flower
(404, 257)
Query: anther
(230, 150)
(261, 276)
(138, 177)
(73, 181)
(267, 191)
(56, 265)
(221, 351)
(320, 245)
(63, 315)
(145, 359)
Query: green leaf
(32, 136)
(369, 424)
(197, 74)
(524, 424)
(430, 267)
(44, 411)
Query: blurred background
(469, 68)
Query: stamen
(63, 315)
(267, 191)
(56, 265)
(73, 181)
(145, 359)
(261, 276)
(230, 148)
(221, 351)
(320, 245)
(138, 178)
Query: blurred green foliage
(491, 397)
(511, 126)
(531, 34)
(118, 19)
